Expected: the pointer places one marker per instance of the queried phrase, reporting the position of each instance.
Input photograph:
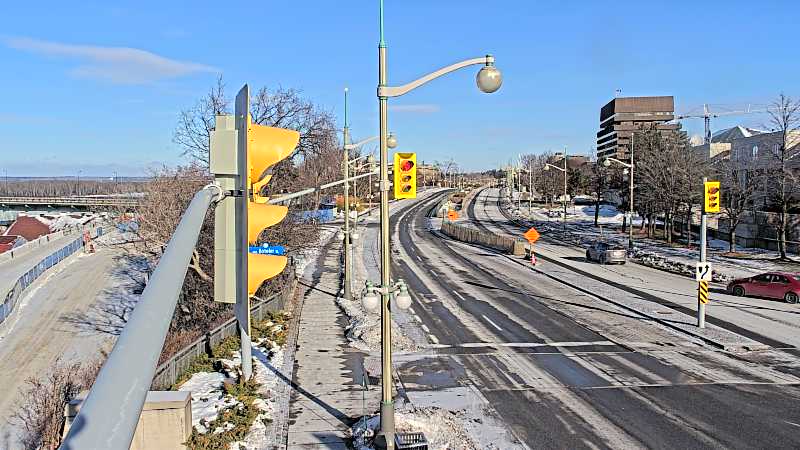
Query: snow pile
(444, 430)
(66, 221)
(364, 329)
(208, 399)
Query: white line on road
(426, 329)
(433, 339)
(493, 324)
(419, 257)
(460, 296)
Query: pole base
(385, 437)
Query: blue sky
(97, 86)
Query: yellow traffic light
(711, 196)
(405, 175)
(266, 146)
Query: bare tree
(740, 181)
(40, 416)
(784, 119)
(282, 108)
(195, 124)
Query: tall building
(620, 117)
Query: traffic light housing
(266, 146)
(711, 197)
(405, 175)
(240, 157)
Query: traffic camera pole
(701, 307)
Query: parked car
(606, 253)
(781, 285)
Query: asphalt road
(772, 322)
(38, 333)
(565, 370)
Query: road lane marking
(433, 339)
(540, 344)
(460, 296)
(493, 324)
(426, 329)
(419, 257)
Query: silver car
(606, 253)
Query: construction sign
(452, 215)
(702, 292)
(531, 235)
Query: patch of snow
(208, 398)
(444, 430)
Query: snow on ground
(364, 329)
(209, 399)
(309, 255)
(444, 429)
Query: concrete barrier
(165, 422)
(473, 236)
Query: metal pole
(110, 413)
(565, 192)
(347, 263)
(630, 208)
(387, 402)
(530, 187)
(701, 307)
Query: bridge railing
(77, 201)
(110, 413)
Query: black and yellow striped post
(702, 292)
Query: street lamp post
(629, 169)
(489, 80)
(348, 236)
(547, 166)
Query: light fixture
(489, 78)
(391, 140)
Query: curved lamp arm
(628, 165)
(360, 143)
(555, 167)
(396, 91)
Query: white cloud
(421, 108)
(121, 65)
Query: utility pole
(530, 186)
(630, 199)
(565, 191)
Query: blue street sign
(268, 250)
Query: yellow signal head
(267, 146)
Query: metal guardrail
(110, 413)
(69, 201)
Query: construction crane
(707, 115)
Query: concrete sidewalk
(327, 396)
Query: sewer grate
(415, 441)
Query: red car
(770, 285)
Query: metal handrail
(68, 201)
(110, 413)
